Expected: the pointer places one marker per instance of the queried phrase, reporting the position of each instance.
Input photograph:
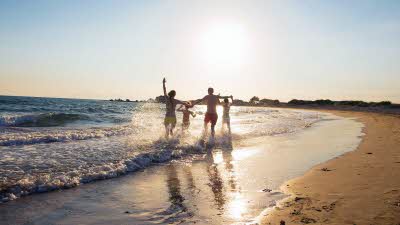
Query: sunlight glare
(237, 207)
(225, 43)
(218, 158)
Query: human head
(210, 90)
(188, 105)
(226, 100)
(172, 94)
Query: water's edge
(288, 195)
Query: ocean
(48, 144)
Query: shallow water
(224, 186)
(48, 144)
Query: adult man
(211, 115)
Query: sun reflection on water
(241, 154)
(218, 157)
(237, 206)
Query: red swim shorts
(211, 117)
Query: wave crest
(41, 120)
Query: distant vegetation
(126, 100)
(257, 101)
(327, 102)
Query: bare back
(212, 102)
(171, 106)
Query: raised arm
(222, 97)
(164, 88)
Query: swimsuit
(225, 116)
(186, 120)
(170, 120)
(170, 117)
(211, 117)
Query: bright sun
(224, 44)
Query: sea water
(51, 143)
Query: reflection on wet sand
(226, 197)
(216, 183)
(177, 210)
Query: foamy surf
(50, 182)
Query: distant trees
(160, 99)
(240, 102)
(266, 101)
(325, 102)
(254, 100)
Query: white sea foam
(23, 137)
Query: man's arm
(195, 102)
(164, 88)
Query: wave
(30, 184)
(40, 137)
(41, 120)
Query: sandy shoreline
(359, 187)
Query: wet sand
(359, 187)
(233, 184)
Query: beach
(359, 187)
(108, 163)
(61, 174)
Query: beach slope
(359, 187)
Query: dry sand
(359, 187)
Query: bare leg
(228, 123)
(213, 130)
(205, 130)
(171, 131)
(166, 131)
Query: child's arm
(181, 102)
(164, 88)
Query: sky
(340, 50)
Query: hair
(188, 106)
(226, 100)
(171, 95)
(210, 90)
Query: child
(226, 119)
(170, 117)
(186, 116)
